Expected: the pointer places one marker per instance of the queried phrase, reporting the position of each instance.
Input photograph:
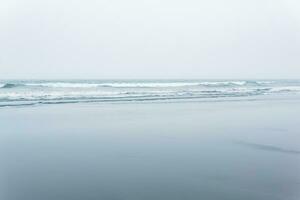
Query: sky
(137, 39)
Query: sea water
(31, 92)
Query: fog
(134, 39)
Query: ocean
(150, 139)
(32, 92)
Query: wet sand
(164, 151)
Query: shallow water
(228, 150)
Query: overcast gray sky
(149, 39)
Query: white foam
(142, 84)
(285, 89)
(223, 83)
(150, 85)
(64, 85)
(118, 85)
(79, 91)
(264, 82)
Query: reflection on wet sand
(266, 147)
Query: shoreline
(286, 98)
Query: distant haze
(100, 39)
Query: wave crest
(10, 85)
(146, 84)
(122, 90)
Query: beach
(149, 100)
(229, 150)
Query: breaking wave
(141, 84)
(51, 92)
(10, 85)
